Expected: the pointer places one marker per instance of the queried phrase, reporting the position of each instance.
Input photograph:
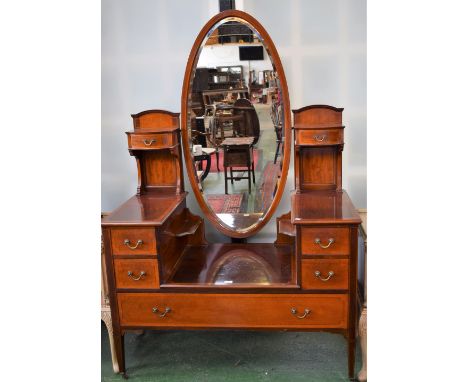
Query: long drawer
(233, 310)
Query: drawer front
(150, 141)
(133, 241)
(325, 241)
(233, 310)
(325, 273)
(318, 137)
(136, 273)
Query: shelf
(186, 225)
(254, 265)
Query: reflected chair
(277, 119)
(201, 137)
(238, 154)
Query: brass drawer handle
(330, 275)
(131, 275)
(148, 142)
(330, 242)
(294, 312)
(162, 315)
(319, 138)
(127, 243)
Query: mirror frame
(271, 49)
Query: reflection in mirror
(236, 124)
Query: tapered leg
(119, 352)
(253, 172)
(225, 180)
(351, 356)
(217, 159)
(232, 177)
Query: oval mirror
(236, 123)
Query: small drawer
(233, 310)
(320, 137)
(325, 241)
(325, 273)
(136, 273)
(133, 241)
(150, 141)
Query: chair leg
(217, 159)
(232, 176)
(277, 151)
(248, 171)
(362, 375)
(107, 318)
(253, 172)
(225, 181)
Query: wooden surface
(233, 310)
(151, 141)
(339, 280)
(323, 207)
(232, 265)
(320, 137)
(146, 236)
(185, 117)
(136, 281)
(147, 209)
(339, 235)
(318, 148)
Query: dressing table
(164, 274)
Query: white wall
(145, 46)
(220, 55)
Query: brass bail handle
(330, 275)
(319, 138)
(162, 315)
(148, 142)
(133, 277)
(294, 313)
(138, 243)
(330, 242)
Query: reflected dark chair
(238, 154)
(277, 119)
(249, 126)
(201, 137)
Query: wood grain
(147, 235)
(136, 266)
(338, 234)
(234, 310)
(339, 280)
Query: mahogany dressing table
(163, 274)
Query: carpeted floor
(230, 356)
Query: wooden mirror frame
(271, 50)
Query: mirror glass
(235, 124)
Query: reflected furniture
(238, 157)
(163, 273)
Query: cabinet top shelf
(323, 207)
(147, 209)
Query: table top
(147, 209)
(237, 141)
(323, 207)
